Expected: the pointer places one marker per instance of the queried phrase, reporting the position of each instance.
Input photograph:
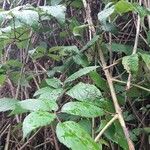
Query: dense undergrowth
(75, 74)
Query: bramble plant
(89, 94)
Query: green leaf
(134, 92)
(86, 124)
(3, 15)
(74, 137)
(78, 30)
(119, 136)
(54, 95)
(7, 104)
(134, 134)
(55, 2)
(69, 50)
(82, 109)
(18, 110)
(146, 59)
(25, 17)
(81, 59)
(77, 4)
(35, 120)
(38, 104)
(124, 6)
(48, 93)
(65, 50)
(2, 79)
(80, 73)
(54, 57)
(104, 14)
(122, 48)
(142, 11)
(98, 80)
(57, 11)
(109, 27)
(83, 91)
(110, 132)
(14, 63)
(43, 90)
(114, 133)
(131, 63)
(147, 130)
(105, 104)
(14, 76)
(91, 42)
(54, 82)
(117, 47)
(128, 117)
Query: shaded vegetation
(75, 74)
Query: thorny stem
(109, 80)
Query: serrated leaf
(146, 59)
(54, 95)
(38, 104)
(82, 109)
(48, 93)
(54, 82)
(80, 73)
(131, 63)
(7, 104)
(43, 90)
(71, 134)
(36, 120)
(83, 91)
(57, 11)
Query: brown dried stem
(109, 79)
